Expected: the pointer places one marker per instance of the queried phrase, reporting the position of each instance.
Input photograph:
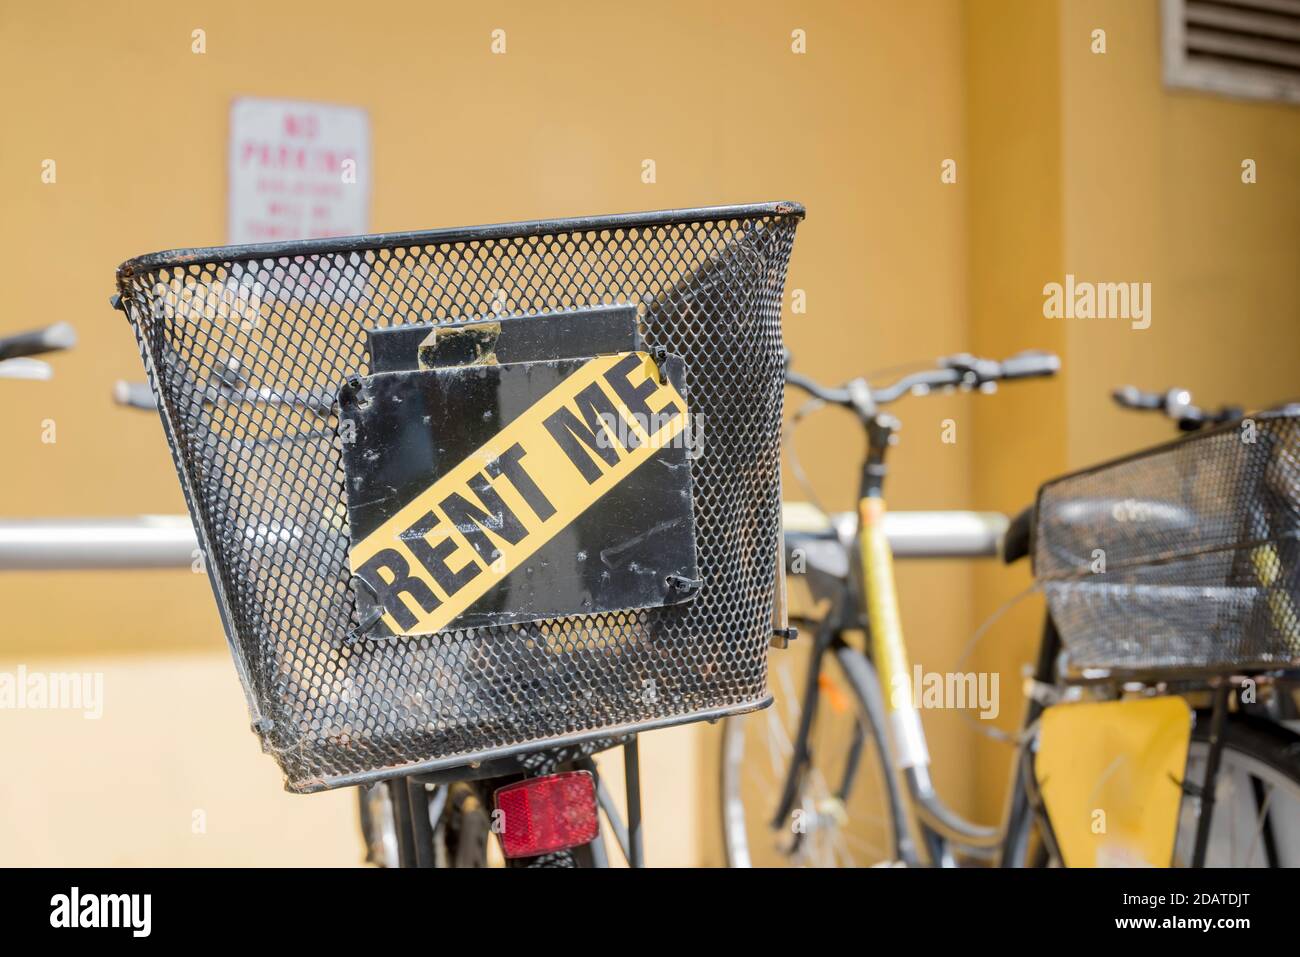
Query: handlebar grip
(1031, 365)
(1131, 397)
(38, 341)
(25, 368)
(136, 395)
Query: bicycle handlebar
(831, 396)
(1131, 397)
(38, 341)
(1175, 404)
(961, 371)
(1030, 365)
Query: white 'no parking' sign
(297, 171)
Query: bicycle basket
(246, 348)
(1182, 557)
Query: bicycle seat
(1068, 531)
(815, 553)
(1018, 540)
(1147, 514)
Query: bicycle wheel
(846, 811)
(1256, 820)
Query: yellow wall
(559, 125)
(1107, 175)
(1014, 245)
(1065, 161)
(1153, 190)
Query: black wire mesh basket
(1181, 558)
(246, 349)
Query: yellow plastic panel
(1109, 774)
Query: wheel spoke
(1263, 818)
(848, 831)
(790, 695)
(1249, 790)
(779, 746)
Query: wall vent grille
(1238, 47)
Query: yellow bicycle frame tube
(888, 650)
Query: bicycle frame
(941, 830)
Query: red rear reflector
(547, 814)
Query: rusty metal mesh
(246, 347)
(1182, 557)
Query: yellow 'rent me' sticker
(483, 518)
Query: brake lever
(975, 372)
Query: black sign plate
(496, 494)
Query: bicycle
(816, 779)
(308, 392)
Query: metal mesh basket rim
(452, 234)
